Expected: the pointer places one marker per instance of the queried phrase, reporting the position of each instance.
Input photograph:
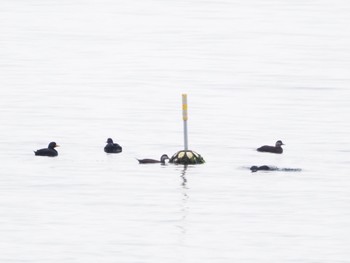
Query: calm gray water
(78, 72)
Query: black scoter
(255, 168)
(49, 151)
(112, 147)
(162, 160)
(272, 149)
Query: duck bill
(57, 145)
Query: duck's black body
(49, 151)
(273, 168)
(260, 168)
(112, 147)
(162, 160)
(272, 149)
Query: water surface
(78, 72)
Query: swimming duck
(255, 168)
(49, 151)
(273, 168)
(112, 147)
(272, 149)
(162, 160)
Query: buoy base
(186, 157)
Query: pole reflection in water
(184, 208)
(183, 176)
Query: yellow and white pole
(185, 118)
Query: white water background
(78, 72)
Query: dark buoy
(186, 156)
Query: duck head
(109, 140)
(163, 158)
(53, 145)
(279, 143)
